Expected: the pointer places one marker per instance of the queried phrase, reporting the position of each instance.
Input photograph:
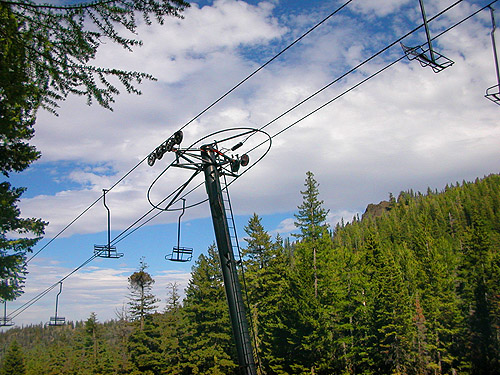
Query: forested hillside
(413, 287)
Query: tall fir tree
(311, 218)
(311, 221)
(172, 330)
(257, 253)
(145, 348)
(479, 293)
(142, 300)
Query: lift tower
(213, 162)
(227, 261)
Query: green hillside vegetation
(413, 287)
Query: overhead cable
(126, 232)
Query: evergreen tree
(54, 45)
(311, 220)
(142, 301)
(13, 362)
(257, 253)
(391, 315)
(478, 293)
(92, 336)
(18, 105)
(13, 251)
(283, 324)
(172, 329)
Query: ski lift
(493, 93)
(57, 320)
(180, 254)
(5, 321)
(107, 251)
(435, 60)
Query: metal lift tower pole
(228, 264)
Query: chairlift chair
(493, 93)
(4, 320)
(435, 60)
(179, 253)
(57, 320)
(107, 251)
(438, 63)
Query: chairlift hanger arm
(427, 32)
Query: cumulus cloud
(379, 8)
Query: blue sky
(408, 128)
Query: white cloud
(379, 8)
(286, 226)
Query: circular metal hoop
(244, 132)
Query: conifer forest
(411, 287)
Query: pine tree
(477, 273)
(18, 105)
(392, 318)
(74, 33)
(13, 251)
(311, 220)
(142, 301)
(92, 337)
(257, 253)
(13, 362)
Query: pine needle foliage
(58, 43)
